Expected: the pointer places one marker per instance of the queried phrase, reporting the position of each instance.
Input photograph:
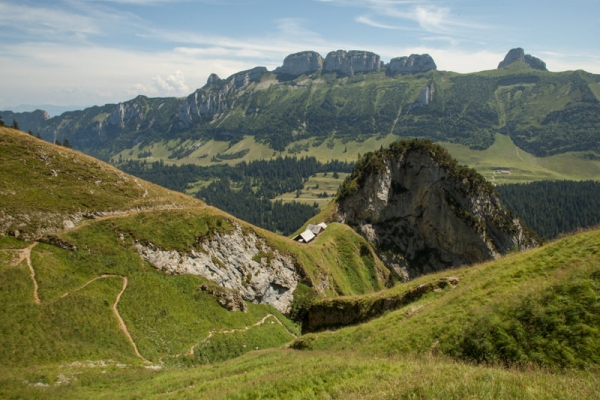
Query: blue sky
(86, 52)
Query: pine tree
(15, 124)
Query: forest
(246, 189)
(552, 208)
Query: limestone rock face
(518, 54)
(422, 218)
(124, 113)
(351, 62)
(239, 261)
(213, 98)
(303, 63)
(413, 64)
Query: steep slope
(537, 307)
(424, 212)
(147, 268)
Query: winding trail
(226, 332)
(25, 254)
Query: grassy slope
(405, 353)
(536, 307)
(165, 315)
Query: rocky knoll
(351, 62)
(303, 63)
(424, 212)
(518, 54)
(413, 64)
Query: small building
(311, 232)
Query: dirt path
(227, 332)
(26, 255)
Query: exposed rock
(518, 54)
(212, 98)
(418, 205)
(245, 77)
(303, 63)
(237, 260)
(336, 313)
(124, 113)
(213, 79)
(227, 299)
(425, 97)
(413, 64)
(351, 62)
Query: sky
(77, 53)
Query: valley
(422, 281)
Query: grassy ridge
(537, 307)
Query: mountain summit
(518, 54)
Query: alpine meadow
(336, 227)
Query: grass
(536, 307)
(288, 374)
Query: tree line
(552, 208)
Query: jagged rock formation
(351, 62)
(238, 260)
(214, 100)
(303, 63)
(518, 54)
(413, 64)
(424, 212)
(124, 113)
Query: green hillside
(77, 288)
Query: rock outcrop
(351, 62)
(413, 64)
(303, 63)
(239, 260)
(424, 212)
(518, 54)
(212, 99)
(124, 113)
(340, 312)
(425, 97)
(228, 299)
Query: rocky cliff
(424, 212)
(413, 64)
(239, 260)
(518, 54)
(303, 63)
(351, 62)
(212, 98)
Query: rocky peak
(303, 63)
(518, 54)
(415, 63)
(124, 113)
(213, 79)
(424, 212)
(351, 62)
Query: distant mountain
(352, 95)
